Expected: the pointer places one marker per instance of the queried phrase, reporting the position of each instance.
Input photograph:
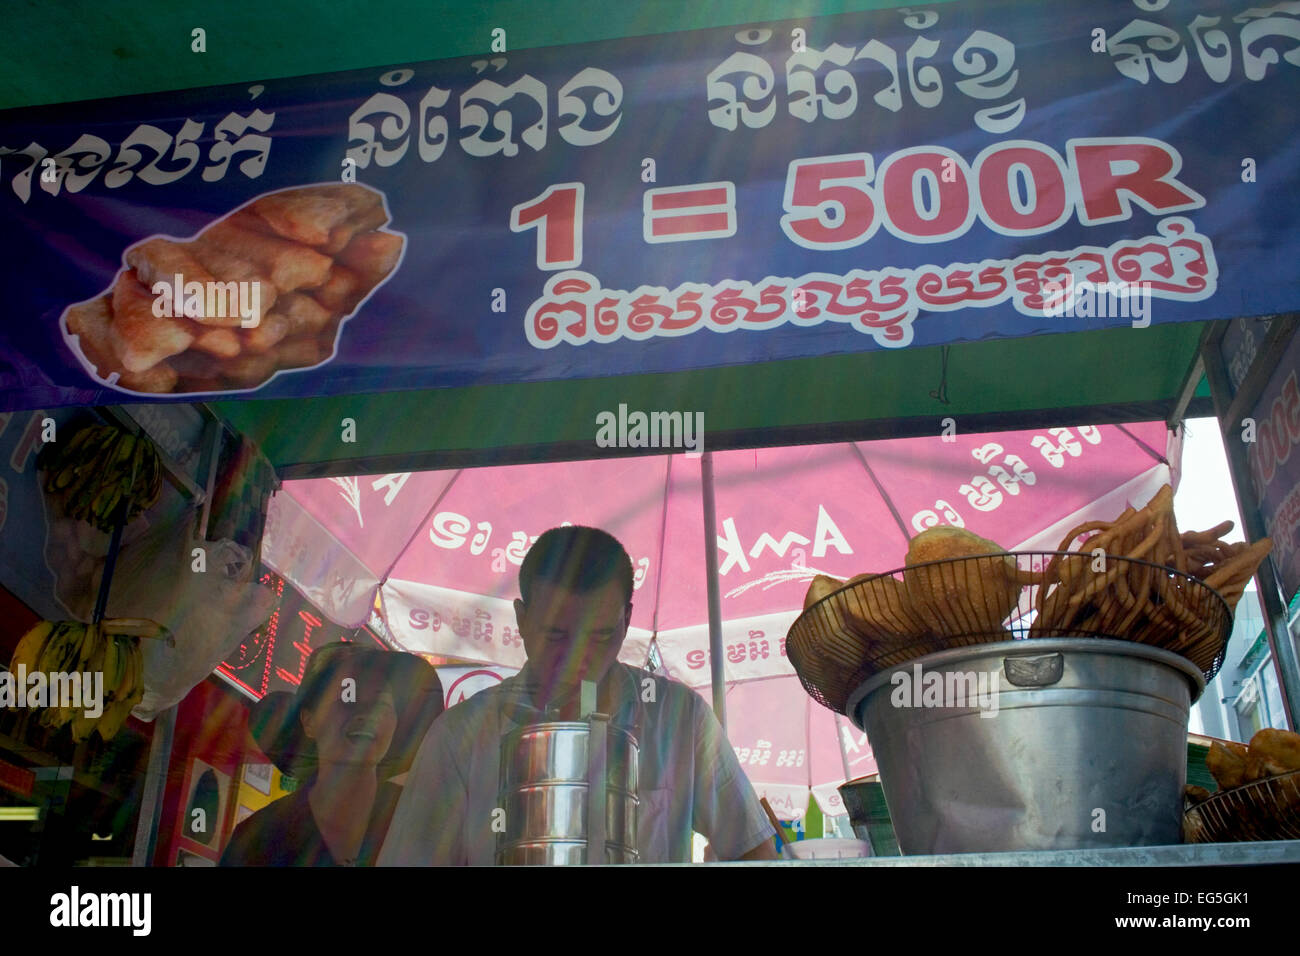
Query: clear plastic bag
(209, 612)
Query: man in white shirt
(573, 614)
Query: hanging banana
(100, 467)
(110, 650)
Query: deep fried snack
(1241, 566)
(249, 369)
(139, 338)
(276, 245)
(372, 254)
(1050, 572)
(228, 267)
(266, 334)
(161, 260)
(1276, 751)
(341, 291)
(967, 597)
(1195, 794)
(290, 265)
(302, 215)
(1209, 536)
(301, 351)
(362, 221)
(820, 586)
(1087, 592)
(882, 610)
(196, 365)
(366, 212)
(221, 342)
(1226, 761)
(304, 314)
(89, 322)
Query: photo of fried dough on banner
(89, 322)
(141, 339)
(290, 265)
(266, 334)
(372, 254)
(301, 351)
(341, 290)
(326, 217)
(305, 315)
(313, 252)
(229, 267)
(158, 260)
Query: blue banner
(1273, 452)
(876, 180)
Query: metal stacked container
(569, 791)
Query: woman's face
(352, 732)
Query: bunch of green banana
(99, 467)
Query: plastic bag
(209, 612)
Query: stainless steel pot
(559, 811)
(1082, 744)
(569, 791)
(557, 752)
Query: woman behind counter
(344, 745)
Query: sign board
(865, 181)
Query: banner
(874, 180)
(1273, 452)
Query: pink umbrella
(443, 550)
(807, 748)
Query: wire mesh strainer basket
(1266, 809)
(880, 622)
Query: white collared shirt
(688, 779)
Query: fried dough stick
(1226, 762)
(372, 254)
(89, 321)
(228, 267)
(302, 215)
(1273, 752)
(161, 260)
(341, 291)
(304, 314)
(290, 265)
(141, 339)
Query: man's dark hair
(577, 559)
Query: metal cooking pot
(1083, 744)
(569, 789)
